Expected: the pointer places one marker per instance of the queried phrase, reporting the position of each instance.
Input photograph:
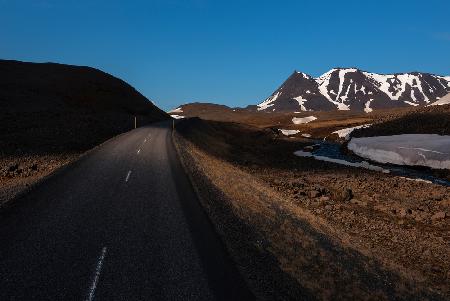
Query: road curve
(122, 223)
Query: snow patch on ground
(302, 120)
(443, 101)
(363, 164)
(176, 116)
(306, 135)
(289, 132)
(409, 149)
(345, 133)
(416, 180)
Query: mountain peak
(303, 74)
(353, 89)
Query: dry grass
(361, 249)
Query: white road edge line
(98, 269)
(128, 176)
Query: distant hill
(205, 110)
(422, 120)
(354, 89)
(47, 107)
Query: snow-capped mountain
(354, 89)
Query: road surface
(122, 223)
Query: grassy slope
(334, 249)
(428, 120)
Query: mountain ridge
(355, 89)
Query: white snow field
(363, 164)
(301, 120)
(408, 149)
(177, 116)
(345, 133)
(289, 132)
(443, 101)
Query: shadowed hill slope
(53, 107)
(52, 113)
(424, 120)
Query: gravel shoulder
(21, 173)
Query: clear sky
(229, 52)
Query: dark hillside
(51, 113)
(52, 107)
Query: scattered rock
(314, 194)
(438, 216)
(13, 167)
(402, 212)
(420, 216)
(346, 194)
(358, 202)
(324, 199)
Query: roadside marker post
(135, 122)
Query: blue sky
(229, 52)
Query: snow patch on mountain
(268, 102)
(301, 102)
(304, 75)
(367, 107)
(350, 88)
(323, 81)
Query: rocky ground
(340, 233)
(20, 173)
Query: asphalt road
(122, 223)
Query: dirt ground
(341, 233)
(20, 173)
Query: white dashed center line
(139, 150)
(128, 176)
(98, 269)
